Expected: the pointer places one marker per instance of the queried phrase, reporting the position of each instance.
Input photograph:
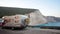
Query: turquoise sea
(49, 24)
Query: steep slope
(35, 16)
(14, 10)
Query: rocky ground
(30, 31)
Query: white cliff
(36, 18)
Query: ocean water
(50, 24)
(54, 24)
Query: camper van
(15, 21)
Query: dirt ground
(30, 31)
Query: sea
(51, 24)
(57, 24)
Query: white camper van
(19, 21)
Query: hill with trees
(13, 10)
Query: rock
(37, 18)
(52, 19)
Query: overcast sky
(46, 7)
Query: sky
(46, 7)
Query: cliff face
(52, 19)
(37, 18)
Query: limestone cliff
(52, 19)
(37, 18)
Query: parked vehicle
(1, 21)
(15, 21)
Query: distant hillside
(52, 19)
(12, 11)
